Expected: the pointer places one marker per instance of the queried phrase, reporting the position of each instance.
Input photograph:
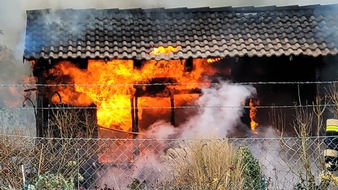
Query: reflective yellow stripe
(332, 128)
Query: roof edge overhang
(159, 58)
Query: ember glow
(111, 85)
(212, 60)
(165, 50)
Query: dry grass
(14, 152)
(333, 96)
(309, 123)
(47, 155)
(68, 122)
(207, 164)
(40, 157)
(18, 132)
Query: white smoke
(13, 117)
(267, 149)
(161, 130)
(13, 71)
(221, 110)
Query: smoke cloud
(12, 114)
(222, 109)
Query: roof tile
(214, 32)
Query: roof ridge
(197, 9)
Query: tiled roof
(201, 32)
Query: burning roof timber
(194, 33)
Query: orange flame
(165, 50)
(212, 60)
(109, 85)
(253, 110)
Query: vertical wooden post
(134, 103)
(39, 68)
(132, 112)
(135, 128)
(134, 115)
(39, 111)
(172, 106)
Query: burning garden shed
(130, 68)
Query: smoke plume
(219, 111)
(13, 75)
(222, 108)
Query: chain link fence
(29, 162)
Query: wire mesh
(157, 164)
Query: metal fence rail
(148, 163)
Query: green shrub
(252, 174)
(137, 185)
(53, 182)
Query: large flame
(110, 86)
(253, 110)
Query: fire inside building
(125, 69)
